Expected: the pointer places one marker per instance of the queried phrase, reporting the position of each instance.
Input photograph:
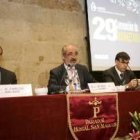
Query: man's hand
(132, 84)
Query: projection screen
(114, 26)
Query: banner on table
(93, 116)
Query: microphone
(134, 75)
(132, 72)
(61, 90)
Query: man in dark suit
(119, 74)
(69, 73)
(6, 76)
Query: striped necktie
(122, 78)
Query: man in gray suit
(69, 72)
(6, 76)
(119, 74)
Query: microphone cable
(134, 75)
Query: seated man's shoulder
(57, 68)
(129, 72)
(3, 70)
(8, 77)
(81, 66)
(108, 70)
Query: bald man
(69, 71)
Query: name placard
(16, 90)
(102, 87)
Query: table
(45, 117)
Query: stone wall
(32, 33)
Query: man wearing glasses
(70, 73)
(121, 74)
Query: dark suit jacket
(111, 75)
(57, 78)
(7, 77)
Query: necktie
(122, 77)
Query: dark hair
(123, 56)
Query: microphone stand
(134, 75)
(63, 77)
